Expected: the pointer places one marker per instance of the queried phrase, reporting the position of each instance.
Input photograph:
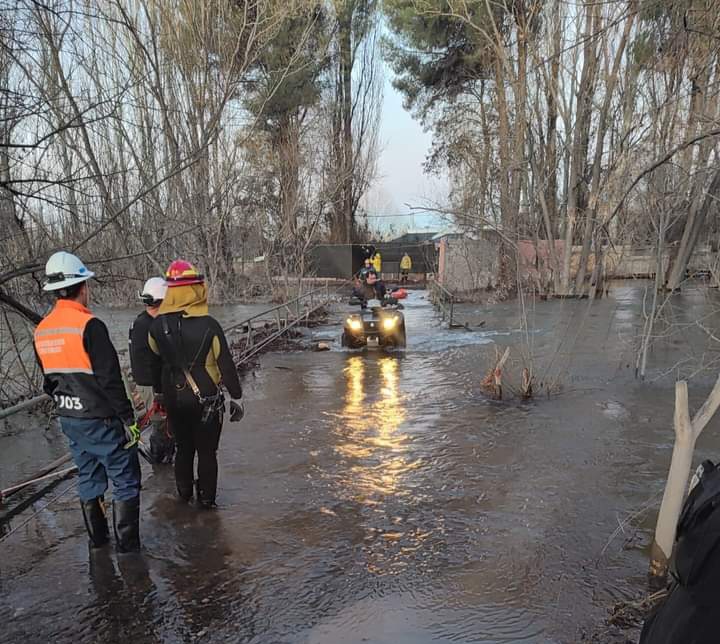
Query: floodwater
(371, 497)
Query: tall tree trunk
(703, 107)
(288, 151)
(11, 225)
(699, 210)
(551, 161)
(592, 211)
(508, 209)
(581, 135)
(344, 201)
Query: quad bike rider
(380, 322)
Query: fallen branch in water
(632, 613)
(41, 475)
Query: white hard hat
(154, 288)
(63, 270)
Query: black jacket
(375, 292)
(144, 363)
(197, 344)
(100, 394)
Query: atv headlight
(389, 323)
(355, 324)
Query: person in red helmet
(195, 363)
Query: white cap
(64, 270)
(155, 287)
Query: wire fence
(286, 316)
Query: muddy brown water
(369, 497)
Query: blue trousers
(96, 445)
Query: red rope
(147, 418)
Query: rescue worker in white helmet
(82, 374)
(144, 364)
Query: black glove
(237, 411)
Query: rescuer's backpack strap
(177, 358)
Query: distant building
(414, 238)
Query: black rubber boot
(95, 521)
(204, 500)
(126, 521)
(185, 494)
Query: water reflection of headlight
(377, 468)
(355, 375)
(369, 437)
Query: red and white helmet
(182, 273)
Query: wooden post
(686, 435)
(249, 341)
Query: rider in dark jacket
(375, 286)
(196, 361)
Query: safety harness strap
(178, 363)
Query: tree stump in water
(527, 388)
(493, 381)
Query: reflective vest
(377, 262)
(67, 366)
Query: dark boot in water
(126, 520)
(205, 500)
(95, 521)
(185, 494)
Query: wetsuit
(144, 364)
(82, 374)
(158, 445)
(196, 346)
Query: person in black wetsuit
(195, 362)
(143, 362)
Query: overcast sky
(401, 181)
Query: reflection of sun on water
(371, 418)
